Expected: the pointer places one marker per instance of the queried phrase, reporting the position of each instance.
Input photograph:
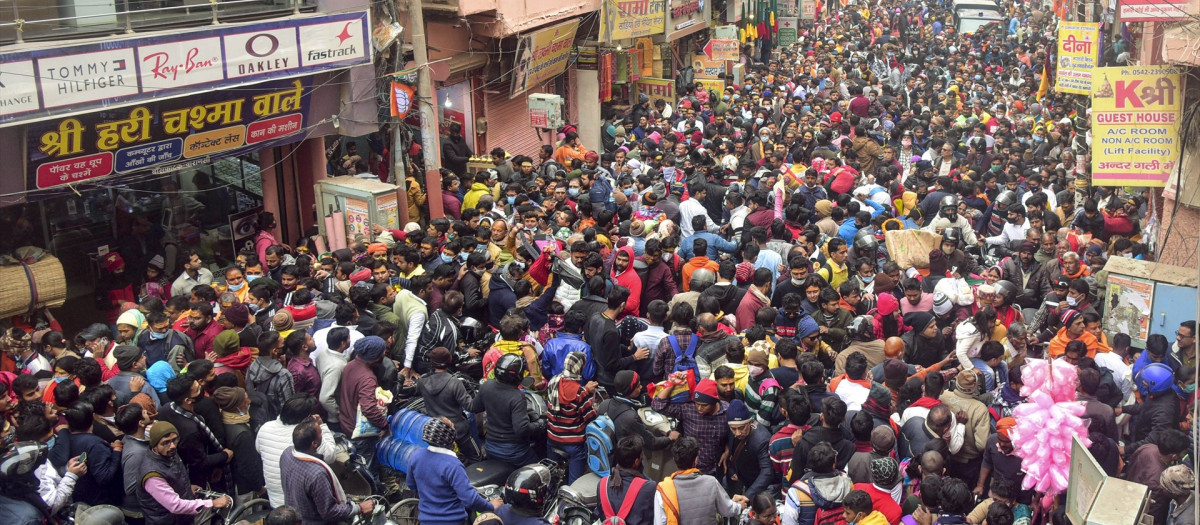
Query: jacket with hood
(268, 376)
(471, 199)
(837, 437)
(812, 492)
(658, 282)
(629, 279)
(501, 297)
(445, 396)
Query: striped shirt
(576, 409)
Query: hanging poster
(542, 55)
(1135, 125)
(358, 221)
(808, 9)
(388, 207)
(243, 227)
(657, 89)
(1078, 52)
(1152, 11)
(623, 19)
(788, 31)
(705, 68)
(1127, 311)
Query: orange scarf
(669, 497)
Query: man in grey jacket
(690, 497)
(444, 397)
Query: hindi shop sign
(1135, 125)
(54, 82)
(657, 89)
(542, 55)
(625, 19)
(1152, 11)
(721, 49)
(1078, 53)
(165, 135)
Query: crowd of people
(722, 260)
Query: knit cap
(160, 430)
(706, 392)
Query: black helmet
(1005, 199)
(865, 242)
(1007, 290)
(510, 369)
(22, 458)
(948, 201)
(528, 487)
(953, 235)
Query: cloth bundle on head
(226, 342)
(706, 392)
(738, 413)
(377, 248)
(1005, 425)
(228, 398)
(438, 434)
(237, 314)
(370, 348)
(160, 430)
(127, 356)
(359, 276)
(282, 322)
(806, 327)
(941, 305)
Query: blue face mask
(628, 192)
(50, 442)
(512, 200)
(254, 308)
(574, 192)
(157, 336)
(807, 108)
(866, 279)
(251, 278)
(446, 258)
(236, 287)
(59, 379)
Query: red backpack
(618, 517)
(831, 516)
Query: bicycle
(253, 512)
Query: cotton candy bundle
(1045, 425)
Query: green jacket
(836, 335)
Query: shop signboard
(1078, 52)
(163, 136)
(687, 16)
(705, 68)
(716, 86)
(625, 19)
(1152, 10)
(788, 31)
(542, 55)
(49, 83)
(808, 9)
(657, 89)
(722, 49)
(1135, 125)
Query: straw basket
(26, 287)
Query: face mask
(1190, 388)
(1127, 255)
(755, 370)
(446, 258)
(60, 379)
(1072, 301)
(574, 192)
(667, 256)
(50, 442)
(251, 278)
(906, 143)
(867, 279)
(628, 192)
(157, 336)
(511, 200)
(236, 287)
(797, 282)
(254, 308)
(1038, 138)
(996, 169)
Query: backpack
(618, 517)
(599, 437)
(261, 410)
(831, 516)
(685, 361)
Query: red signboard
(73, 170)
(273, 128)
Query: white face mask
(1072, 301)
(755, 370)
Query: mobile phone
(83, 457)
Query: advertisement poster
(808, 9)
(723, 49)
(1135, 125)
(705, 68)
(620, 19)
(50, 82)
(389, 212)
(1078, 52)
(164, 136)
(358, 222)
(788, 31)
(1127, 307)
(716, 86)
(657, 89)
(542, 55)
(243, 227)
(1152, 11)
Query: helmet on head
(865, 242)
(510, 369)
(22, 458)
(1005, 199)
(1156, 378)
(702, 279)
(528, 487)
(948, 201)
(953, 235)
(863, 328)
(1006, 290)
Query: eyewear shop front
(158, 176)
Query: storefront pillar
(310, 167)
(588, 93)
(267, 162)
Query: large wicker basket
(27, 287)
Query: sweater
(507, 421)
(358, 391)
(440, 480)
(309, 489)
(273, 438)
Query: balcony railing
(42, 20)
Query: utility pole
(429, 120)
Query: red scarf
(925, 402)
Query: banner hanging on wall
(1135, 125)
(542, 55)
(1078, 51)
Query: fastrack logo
(162, 66)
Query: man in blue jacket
(440, 479)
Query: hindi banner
(657, 89)
(1135, 125)
(1152, 11)
(1078, 54)
(542, 55)
(624, 19)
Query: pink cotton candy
(1046, 424)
